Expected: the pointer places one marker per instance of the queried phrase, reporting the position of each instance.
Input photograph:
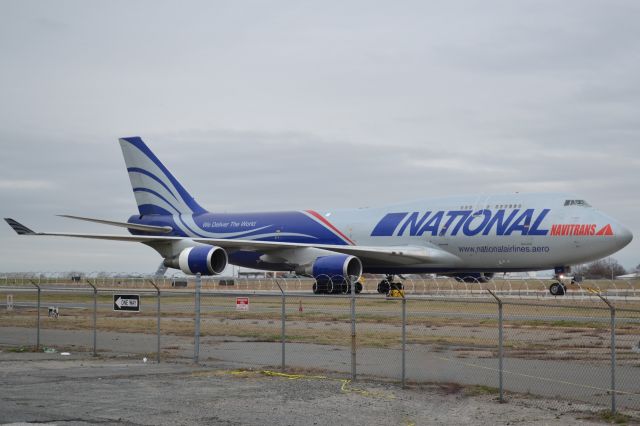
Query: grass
(369, 309)
(20, 349)
(572, 325)
(266, 332)
(270, 332)
(436, 313)
(325, 321)
(323, 316)
(614, 418)
(476, 390)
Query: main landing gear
(387, 284)
(337, 287)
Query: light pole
(611, 267)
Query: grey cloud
(261, 106)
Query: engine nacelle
(336, 268)
(205, 260)
(473, 277)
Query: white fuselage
(564, 234)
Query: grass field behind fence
(549, 329)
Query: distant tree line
(601, 269)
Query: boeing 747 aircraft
(468, 237)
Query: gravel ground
(574, 381)
(78, 389)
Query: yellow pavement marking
(345, 387)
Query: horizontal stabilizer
(145, 228)
(18, 227)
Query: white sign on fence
(9, 302)
(242, 303)
(126, 302)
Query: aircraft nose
(623, 235)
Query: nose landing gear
(557, 289)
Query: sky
(278, 105)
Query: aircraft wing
(23, 230)
(392, 255)
(145, 228)
(395, 255)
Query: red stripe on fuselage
(327, 223)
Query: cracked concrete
(45, 388)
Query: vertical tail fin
(155, 188)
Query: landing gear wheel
(384, 287)
(557, 289)
(358, 288)
(315, 288)
(330, 287)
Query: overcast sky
(292, 104)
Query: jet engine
(473, 277)
(334, 273)
(206, 260)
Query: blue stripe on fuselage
(387, 226)
(248, 226)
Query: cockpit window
(582, 203)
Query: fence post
(613, 360)
(353, 327)
(37, 317)
(404, 339)
(283, 317)
(95, 319)
(196, 345)
(158, 319)
(500, 346)
(613, 352)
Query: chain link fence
(502, 337)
